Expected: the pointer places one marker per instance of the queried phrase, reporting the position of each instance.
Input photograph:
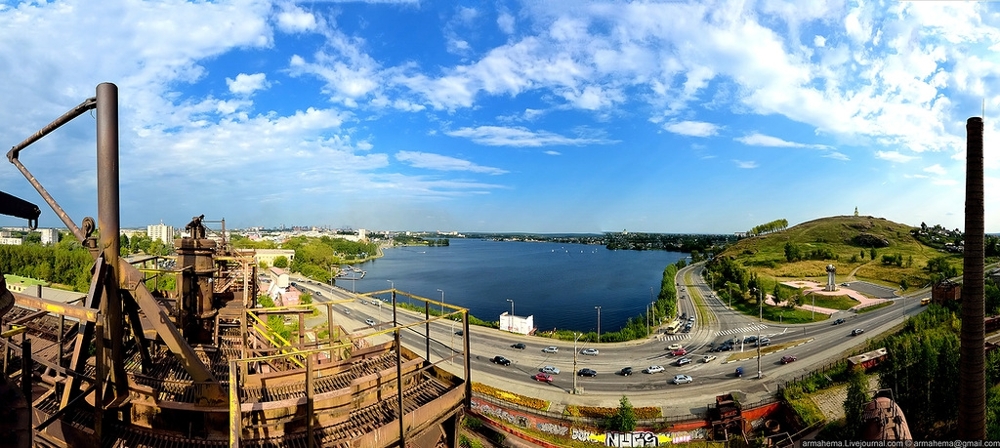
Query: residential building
(161, 232)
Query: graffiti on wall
(499, 413)
(552, 428)
(636, 438)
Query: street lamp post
(510, 322)
(442, 301)
(598, 308)
(392, 287)
(575, 373)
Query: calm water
(560, 284)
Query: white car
(589, 351)
(654, 369)
(673, 347)
(551, 370)
(708, 358)
(370, 322)
(681, 379)
(551, 349)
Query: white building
(161, 232)
(517, 324)
(9, 241)
(49, 236)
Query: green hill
(847, 243)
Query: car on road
(459, 332)
(551, 370)
(543, 377)
(370, 322)
(347, 311)
(857, 331)
(587, 372)
(750, 339)
(788, 358)
(709, 358)
(691, 319)
(763, 341)
(684, 316)
(519, 346)
(551, 349)
(654, 369)
(839, 321)
(679, 352)
(500, 360)
(590, 351)
(673, 347)
(625, 371)
(681, 379)
(683, 361)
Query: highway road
(813, 344)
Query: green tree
(624, 420)
(857, 397)
(281, 262)
(873, 253)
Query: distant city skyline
(535, 117)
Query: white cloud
(505, 22)
(745, 164)
(443, 163)
(819, 41)
(293, 19)
(936, 169)
(521, 137)
(837, 156)
(245, 84)
(692, 128)
(893, 156)
(552, 153)
(758, 139)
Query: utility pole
(598, 308)
(575, 373)
(442, 301)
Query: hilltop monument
(831, 277)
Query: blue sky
(542, 116)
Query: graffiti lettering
(581, 434)
(631, 439)
(552, 428)
(500, 414)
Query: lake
(560, 284)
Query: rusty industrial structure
(199, 366)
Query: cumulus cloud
(894, 156)
(245, 84)
(294, 19)
(692, 128)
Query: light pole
(575, 373)
(442, 301)
(598, 308)
(510, 322)
(392, 286)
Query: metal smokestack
(972, 358)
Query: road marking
(744, 330)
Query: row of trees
(795, 253)
(65, 263)
(774, 226)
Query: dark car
(857, 331)
(587, 372)
(787, 359)
(683, 361)
(519, 346)
(750, 339)
(839, 321)
(500, 360)
(459, 332)
(625, 371)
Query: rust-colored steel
(236, 383)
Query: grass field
(765, 255)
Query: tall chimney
(972, 357)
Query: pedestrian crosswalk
(672, 337)
(745, 330)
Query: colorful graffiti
(636, 438)
(499, 413)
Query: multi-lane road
(812, 344)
